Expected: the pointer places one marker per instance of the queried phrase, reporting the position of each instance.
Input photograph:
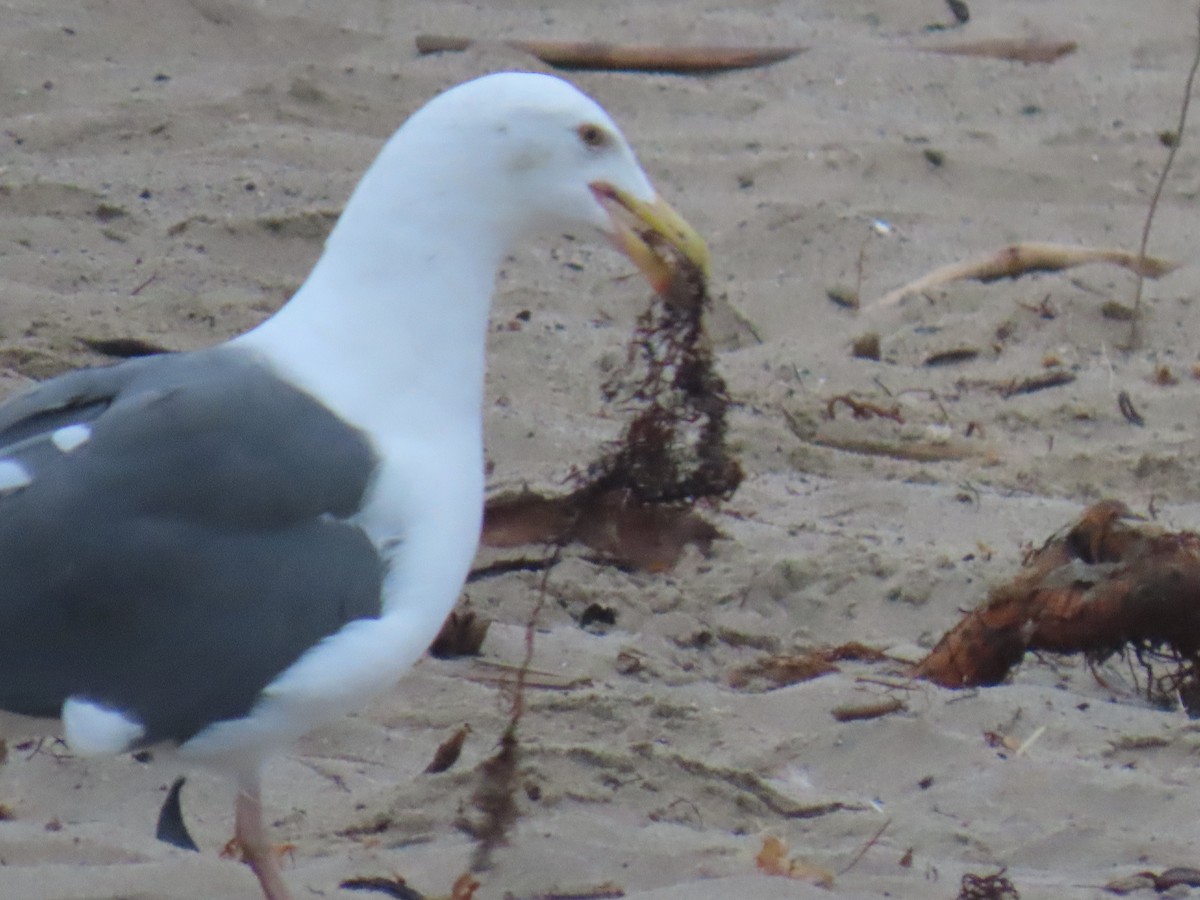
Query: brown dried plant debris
(782, 669)
(448, 751)
(867, 346)
(1024, 258)
(844, 297)
(1116, 311)
(873, 709)
(605, 890)
(1034, 383)
(1160, 882)
(635, 505)
(1128, 410)
(464, 887)
(389, 887)
(1164, 377)
(462, 634)
(1024, 50)
(1106, 584)
(674, 449)
(645, 536)
(773, 859)
(495, 800)
(951, 357)
(987, 887)
(862, 409)
(495, 797)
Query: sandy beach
(168, 170)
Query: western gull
(220, 550)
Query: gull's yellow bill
(650, 234)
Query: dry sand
(167, 171)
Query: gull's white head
(518, 152)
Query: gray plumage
(191, 549)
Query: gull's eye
(593, 135)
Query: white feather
(13, 476)
(70, 437)
(91, 729)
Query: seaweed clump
(634, 505)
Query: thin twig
(865, 847)
(506, 566)
(1134, 335)
(518, 705)
(145, 284)
(861, 266)
(495, 796)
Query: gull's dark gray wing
(185, 545)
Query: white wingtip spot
(13, 476)
(69, 437)
(91, 729)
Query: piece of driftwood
(1024, 258)
(644, 535)
(1105, 584)
(856, 712)
(626, 57)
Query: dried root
(1105, 585)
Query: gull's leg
(251, 836)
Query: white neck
(390, 328)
